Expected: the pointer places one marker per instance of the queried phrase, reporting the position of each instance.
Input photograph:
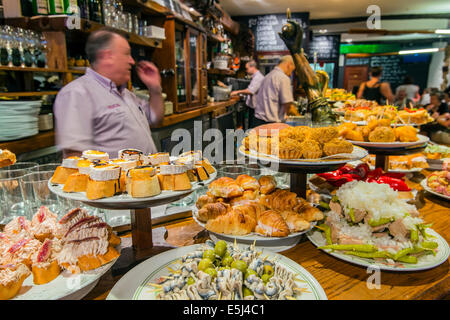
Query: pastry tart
(95, 155)
(44, 224)
(142, 182)
(76, 182)
(160, 158)
(125, 164)
(131, 154)
(174, 177)
(44, 268)
(11, 279)
(103, 181)
(68, 167)
(7, 158)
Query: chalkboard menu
(266, 28)
(396, 67)
(326, 47)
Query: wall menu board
(327, 47)
(396, 67)
(266, 28)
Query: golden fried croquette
(406, 134)
(365, 131)
(311, 149)
(382, 134)
(354, 135)
(345, 127)
(336, 146)
(384, 123)
(372, 124)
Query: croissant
(310, 213)
(247, 183)
(233, 222)
(279, 200)
(252, 209)
(204, 199)
(294, 221)
(212, 210)
(267, 183)
(225, 187)
(272, 224)
(247, 197)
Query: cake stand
(298, 169)
(141, 220)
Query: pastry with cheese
(131, 154)
(160, 158)
(103, 181)
(142, 182)
(69, 166)
(174, 177)
(95, 155)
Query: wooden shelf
(30, 69)
(76, 71)
(39, 141)
(28, 94)
(180, 117)
(215, 37)
(221, 72)
(148, 7)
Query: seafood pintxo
(246, 205)
(370, 221)
(7, 158)
(45, 246)
(217, 271)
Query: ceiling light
(323, 31)
(348, 40)
(418, 51)
(443, 31)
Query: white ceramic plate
(424, 263)
(134, 284)
(427, 188)
(125, 201)
(65, 286)
(275, 244)
(393, 145)
(358, 153)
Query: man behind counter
(274, 96)
(98, 112)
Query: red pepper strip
(345, 169)
(378, 172)
(397, 175)
(351, 176)
(328, 175)
(396, 184)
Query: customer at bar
(275, 95)
(257, 77)
(97, 111)
(411, 89)
(376, 90)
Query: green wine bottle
(56, 6)
(70, 6)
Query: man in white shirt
(275, 95)
(257, 78)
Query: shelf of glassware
(39, 141)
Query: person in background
(374, 89)
(425, 98)
(411, 90)
(437, 107)
(97, 111)
(402, 101)
(257, 77)
(275, 95)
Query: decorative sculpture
(314, 84)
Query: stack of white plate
(19, 119)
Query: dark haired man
(376, 90)
(97, 111)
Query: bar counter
(340, 280)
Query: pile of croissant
(245, 205)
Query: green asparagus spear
(377, 223)
(351, 247)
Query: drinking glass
(46, 167)
(11, 200)
(36, 193)
(235, 168)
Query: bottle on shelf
(70, 6)
(40, 7)
(95, 11)
(55, 7)
(84, 9)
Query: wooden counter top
(180, 117)
(342, 280)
